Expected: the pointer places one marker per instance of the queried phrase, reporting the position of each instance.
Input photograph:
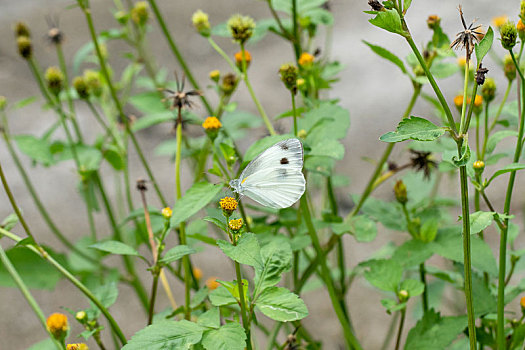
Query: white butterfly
(274, 178)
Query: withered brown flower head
(181, 98)
(376, 5)
(54, 34)
(141, 185)
(480, 75)
(422, 161)
(467, 38)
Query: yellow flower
(499, 21)
(522, 302)
(247, 57)
(458, 101)
(211, 124)
(462, 61)
(306, 59)
(167, 212)
(201, 22)
(228, 205)
(215, 75)
(197, 273)
(78, 346)
(241, 27)
(478, 101)
(235, 225)
(57, 325)
(521, 29)
(479, 165)
(140, 13)
(211, 283)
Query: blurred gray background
(374, 90)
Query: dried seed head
(509, 68)
(229, 83)
(480, 75)
(241, 28)
(468, 37)
(54, 80)
(376, 5)
(289, 74)
(55, 36)
(21, 29)
(141, 185)
(25, 47)
(201, 23)
(433, 22)
(81, 87)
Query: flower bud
(229, 83)
(478, 102)
(289, 74)
(509, 68)
(458, 101)
(167, 213)
(302, 134)
(21, 29)
(211, 283)
(241, 28)
(201, 23)
(3, 103)
(228, 205)
(25, 47)
(140, 13)
(488, 90)
(197, 273)
(403, 295)
(522, 304)
(433, 22)
(522, 9)
(509, 35)
(235, 225)
(121, 16)
(57, 325)
(212, 126)
(306, 60)
(479, 165)
(499, 21)
(93, 82)
(215, 75)
(81, 316)
(54, 80)
(79, 83)
(77, 346)
(521, 29)
(400, 191)
(239, 56)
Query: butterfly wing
(275, 179)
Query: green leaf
(37, 149)
(35, 272)
(412, 253)
(24, 102)
(480, 220)
(484, 301)
(115, 247)
(236, 123)
(495, 138)
(363, 229)
(9, 222)
(387, 213)
(166, 335)
(387, 55)
(484, 45)
(196, 198)
(388, 20)
(328, 121)
(434, 332)
(149, 103)
(220, 224)
(107, 295)
(328, 148)
(276, 257)
(247, 251)
(506, 169)
(384, 274)
(414, 128)
(464, 156)
(280, 304)
(46, 344)
(210, 319)
(406, 5)
(176, 253)
(151, 119)
(231, 336)
(413, 287)
(222, 297)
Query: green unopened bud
(241, 28)
(215, 75)
(140, 13)
(121, 16)
(509, 68)
(403, 295)
(302, 134)
(81, 87)
(289, 74)
(3, 103)
(488, 90)
(25, 47)
(81, 316)
(509, 35)
(229, 83)
(21, 29)
(400, 191)
(478, 165)
(201, 23)
(54, 80)
(433, 22)
(93, 82)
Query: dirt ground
(372, 89)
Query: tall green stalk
(506, 210)
(27, 294)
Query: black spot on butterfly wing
(284, 161)
(284, 146)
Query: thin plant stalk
(258, 104)
(177, 53)
(84, 5)
(44, 255)
(27, 294)
(295, 27)
(423, 279)
(294, 114)
(400, 329)
(501, 339)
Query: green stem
(296, 37)
(351, 340)
(153, 297)
(506, 210)
(260, 108)
(294, 114)
(400, 329)
(177, 53)
(245, 322)
(424, 296)
(44, 255)
(464, 104)
(27, 294)
(224, 55)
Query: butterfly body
(274, 178)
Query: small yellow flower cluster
(212, 123)
(57, 325)
(211, 283)
(197, 273)
(215, 75)
(228, 205)
(522, 302)
(499, 21)
(78, 346)
(305, 60)
(140, 13)
(54, 79)
(478, 165)
(247, 58)
(236, 225)
(201, 22)
(478, 101)
(458, 101)
(167, 212)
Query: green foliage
(434, 332)
(388, 20)
(247, 250)
(115, 247)
(176, 253)
(166, 335)
(231, 336)
(280, 304)
(414, 128)
(196, 198)
(382, 52)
